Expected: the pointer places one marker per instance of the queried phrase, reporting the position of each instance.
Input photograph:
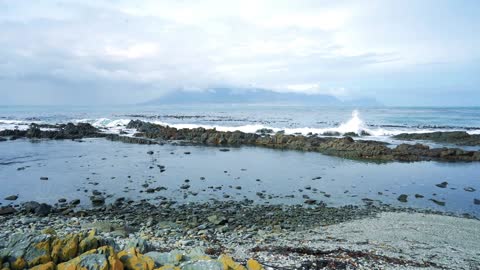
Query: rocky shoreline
(222, 235)
(346, 147)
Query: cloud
(144, 48)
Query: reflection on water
(74, 169)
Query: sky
(92, 52)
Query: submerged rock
(442, 185)
(403, 198)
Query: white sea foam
(354, 124)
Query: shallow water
(72, 167)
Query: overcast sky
(405, 52)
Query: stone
(139, 244)
(97, 200)
(90, 242)
(217, 220)
(39, 209)
(203, 265)
(133, 260)
(254, 265)
(103, 258)
(437, 202)
(229, 263)
(27, 250)
(65, 249)
(165, 258)
(11, 198)
(45, 266)
(403, 198)
(442, 185)
(6, 210)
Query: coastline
(277, 236)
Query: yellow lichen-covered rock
(65, 249)
(18, 264)
(50, 231)
(45, 266)
(229, 263)
(103, 258)
(133, 260)
(169, 267)
(254, 265)
(40, 254)
(88, 243)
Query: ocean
(76, 168)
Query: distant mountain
(243, 96)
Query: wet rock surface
(149, 133)
(452, 137)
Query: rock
(6, 210)
(476, 201)
(437, 202)
(75, 202)
(62, 200)
(217, 220)
(442, 185)
(402, 198)
(469, 189)
(203, 265)
(452, 137)
(139, 244)
(229, 263)
(65, 249)
(11, 198)
(310, 201)
(254, 265)
(103, 258)
(45, 266)
(165, 258)
(88, 243)
(27, 250)
(39, 209)
(97, 200)
(185, 186)
(132, 260)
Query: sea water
(74, 169)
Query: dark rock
(6, 210)
(442, 185)
(11, 198)
(39, 209)
(75, 202)
(438, 202)
(310, 201)
(403, 198)
(452, 137)
(185, 186)
(97, 200)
